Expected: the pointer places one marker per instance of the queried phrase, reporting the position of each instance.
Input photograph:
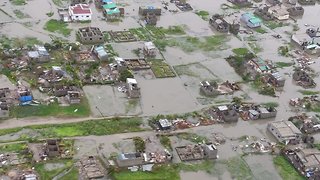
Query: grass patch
(58, 27)
(73, 174)
(58, 2)
(164, 172)
(271, 104)
(85, 128)
(141, 33)
(203, 14)
(165, 141)
(161, 69)
(174, 30)
(156, 32)
(285, 169)
(185, 70)
(283, 64)
(283, 51)
(14, 147)
(18, 2)
(50, 14)
(44, 173)
(19, 14)
(274, 24)
(74, 110)
(238, 168)
(308, 92)
(240, 51)
(260, 30)
(255, 47)
(159, 172)
(193, 137)
(139, 144)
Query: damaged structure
(149, 49)
(90, 168)
(250, 20)
(285, 132)
(133, 89)
(306, 43)
(306, 161)
(39, 54)
(303, 79)
(213, 89)
(224, 24)
(90, 35)
(197, 152)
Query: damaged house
(303, 79)
(306, 161)
(227, 113)
(214, 89)
(52, 148)
(151, 19)
(285, 132)
(197, 152)
(275, 79)
(90, 168)
(296, 11)
(225, 24)
(307, 124)
(149, 49)
(144, 10)
(262, 11)
(218, 23)
(279, 12)
(307, 43)
(101, 53)
(73, 97)
(241, 3)
(90, 35)
(39, 54)
(130, 159)
(133, 89)
(4, 110)
(258, 66)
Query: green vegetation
(19, 14)
(49, 14)
(74, 110)
(274, 24)
(295, 27)
(186, 70)
(260, 30)
(271, 104)
(85, 128)
(190, 44)
(46, 173)
(156, 32)
(240, 51)
(73, 174)
(14, 147)
(124, 74)
(174, 30)
(161, 69)
(263, 88)
(193, 137)
(255, 47)
(285, 169)
(57, 26)
(18, 2)
(141, 33)
(164, 172)
(159, 172)
(58, 2)
(283, 51)
(238, 168)
(308, 92)
(10, 74)
(165, 141)
(139, 144)
(283, 64)
(238, 63)
(203, 14)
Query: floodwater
(180, 94)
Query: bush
(139, 144)
(124, 74)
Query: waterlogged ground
(179, 94)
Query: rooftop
(286, 128)
(80, 9)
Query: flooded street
(190, 63)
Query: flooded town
(159, 89)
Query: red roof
(80, 9)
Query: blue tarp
(25, 98)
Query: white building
(279, 12)
(80, 12)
